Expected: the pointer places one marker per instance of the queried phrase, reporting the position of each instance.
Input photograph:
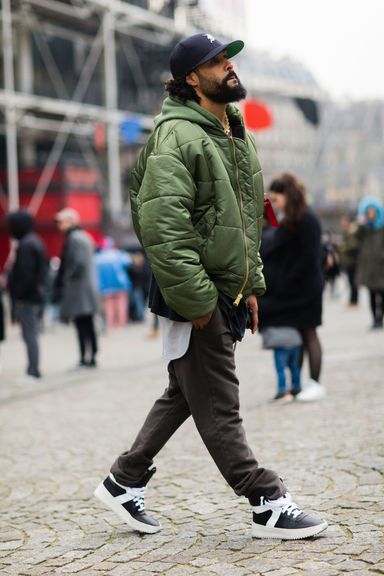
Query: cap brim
(232, 48)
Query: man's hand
(254, 310)
(199, 323)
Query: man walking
(197, 207)
(75, 286)
(26, 283)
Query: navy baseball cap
(195, 50)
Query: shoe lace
(138, 497)
(285, 505)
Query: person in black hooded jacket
(26, 283)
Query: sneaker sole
(105, 497)
(259, 531)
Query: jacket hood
(371, 202)
(175, 109)
(20, 223)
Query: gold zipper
(240, 294)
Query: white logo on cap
(210, 38)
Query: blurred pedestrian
(114, 284)
(370, 263)
(349, 252)
(8, 264)
(2, 315)
(75, 285)
(286, 343)
(154, 332)
(197, 206)
(330, 261)
(26, 283)
(294, 276)
(51, 307)
(140, 275)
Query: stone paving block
(376, 557)
(104, 567)
(365, 536)
(202, 561)
(321, 572)
(283, 572)
(352, 549)
(209, 573)
(75, 567)
(262, 565)
(257, 546)
(8, 545)
(32, 570)
(183, 570)
(352, 565)
(313, 566)
(138, 569)
(227, 569)
(125, 556)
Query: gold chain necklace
(226, 125)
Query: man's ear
(192, 79)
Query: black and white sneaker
(128, 503)
(282, 519)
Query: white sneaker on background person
(311, 392)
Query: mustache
(231, 75)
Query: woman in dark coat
(293, 274)
(75, 285)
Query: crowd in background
(88, 282)
(102, 281)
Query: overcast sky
(340, 41)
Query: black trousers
(86, 335)
(353, 289)
(376, 299)
(203, 384)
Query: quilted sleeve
(259, 286)
(164, 206)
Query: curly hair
(295, 194)
(179, 88)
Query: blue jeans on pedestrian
(288, 358)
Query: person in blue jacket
(114, 284)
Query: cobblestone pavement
(59, 438)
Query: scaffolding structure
(101, 33)
(74, 71)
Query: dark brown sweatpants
(203, 384)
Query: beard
(220, 92)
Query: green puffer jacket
(197, 206)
